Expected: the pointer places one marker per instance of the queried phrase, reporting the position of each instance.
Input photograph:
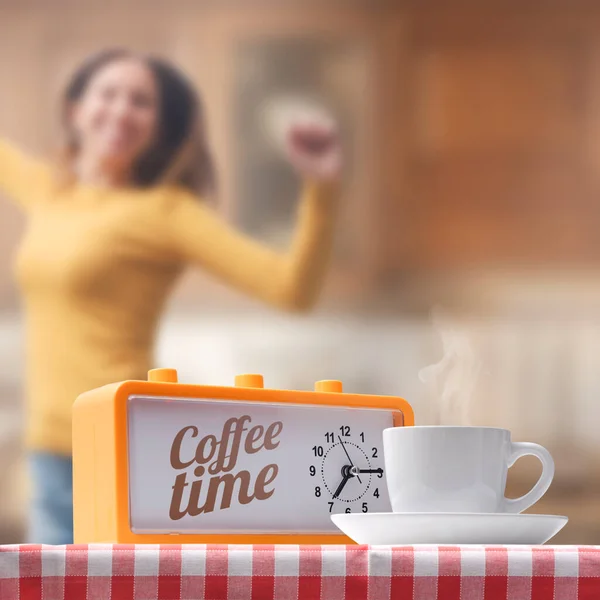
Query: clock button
(163, 375)
(329, 385)
(249, 380)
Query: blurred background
(473, 140)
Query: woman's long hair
(179, 154)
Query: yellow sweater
(96, 267)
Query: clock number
(362, 437)
(318, 492)
(345, 430)
(313, 471)
(365, 508)
(329, 437)
(330, 506)
(380, 474)
(376, 493)
(348, 510)
(374, 452)
(318, 450)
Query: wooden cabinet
(497, 170)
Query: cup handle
(518, 450)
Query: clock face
(223, 466)
(349, 470)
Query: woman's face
(116, 118)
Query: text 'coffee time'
(216, 459)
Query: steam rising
(454, 378)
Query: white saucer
(397, 529)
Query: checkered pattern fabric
(190, 572)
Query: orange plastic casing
(100, 454)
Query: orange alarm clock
(162, 462)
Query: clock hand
(348, 473)
(370, 470)
(351, 463)
(341, 486)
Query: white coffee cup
(457, 469)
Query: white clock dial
(348, 468)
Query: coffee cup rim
(447, 427)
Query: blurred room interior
(473, 133)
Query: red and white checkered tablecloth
(193, 572)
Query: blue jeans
(51, 513)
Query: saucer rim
(444, 514)
(343, 521)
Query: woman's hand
(314, 150)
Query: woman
(107, 240)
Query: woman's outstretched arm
(290, 281)
(20, 175)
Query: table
(191, 572)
